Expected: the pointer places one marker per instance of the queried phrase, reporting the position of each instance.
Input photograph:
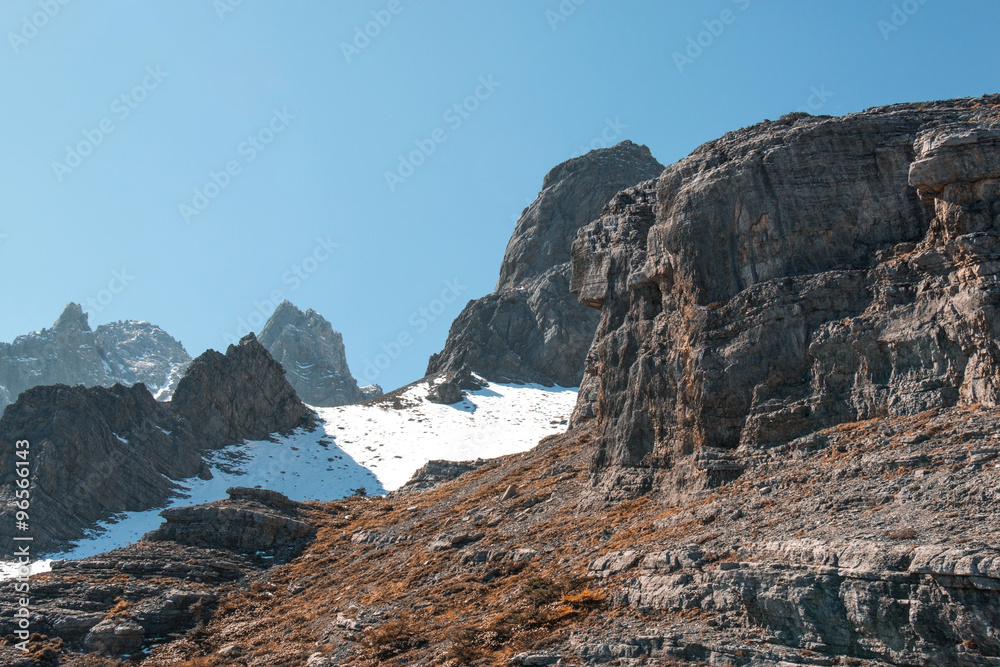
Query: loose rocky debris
(875, 545)
(126, 601)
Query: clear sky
(185, 161)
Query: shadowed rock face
(93, 452)
(531, 329)
(99, 451)
(313, 356)
(791, 276)
(71, 353)
(241, 395)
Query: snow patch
(376, 447)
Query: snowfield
(376, 447)
(495, 421)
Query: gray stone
(437, 471)
(115, 637)
(530, 658)
(530, 329)
(249, 521)
(71, 353)
(313, 357)
(788, 277)
(446, 392)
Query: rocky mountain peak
(795, 381)
(71, 353)
(573, 194)
(287, 313)
(108, 450)
(313, 356)
(72, 319)
(239, 395)
(531, 329)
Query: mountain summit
(71, 353)
(313, 357)
(531, 329)
(784, 449)
(110, 450)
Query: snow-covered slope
(497, 420)
(142, 352)
(375, 446)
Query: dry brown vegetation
(412, 602)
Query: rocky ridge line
(99, 451)
(530, 329)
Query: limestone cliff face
(99, 451)
(313, 357)
(531, 329)
(791, 276)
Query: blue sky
(187, 161)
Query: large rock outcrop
(531, 329)
(791, 276)
(871, 541)
(239, 395)
(313, 356)
(136, 597)
(98, 451)
(71, 353)
(250, 521)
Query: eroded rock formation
(787, 277)
(71, 353)
(531, 329)
(98, 451)
(313, 356)
(130, 599)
